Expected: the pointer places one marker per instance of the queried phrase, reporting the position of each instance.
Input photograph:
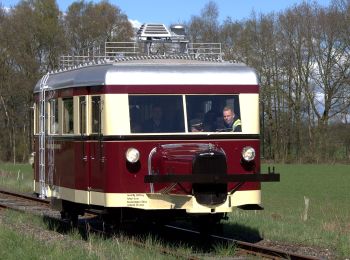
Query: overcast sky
(177, 11)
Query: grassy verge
(17, 177)
(325, 224)
(26, 237)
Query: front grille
(210, 162)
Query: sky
(179, 11)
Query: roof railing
(113, 50)
(151, 39)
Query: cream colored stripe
(155, 200)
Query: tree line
(302, 57)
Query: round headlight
(248, 153)
(132, 155)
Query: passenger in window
(156, 123)
(231, 122)
(196, 125)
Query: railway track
(26, 203)
(246, 248)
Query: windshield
(165, 114)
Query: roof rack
(151, 39)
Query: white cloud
(135, 23)
(6, 9)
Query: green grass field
(328, 218)
(17, 177)
(25, 236)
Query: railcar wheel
(208, 222)
(70, 212)
(111, 218)
(70, 217)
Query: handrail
(112, 50)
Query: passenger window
(68, 116)
(82, 115)
(96, 114)
(36, 118)
(53, 116)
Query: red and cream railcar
(149, 134)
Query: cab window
(205, 113)
(156, 114)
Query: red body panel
(101, 166)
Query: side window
(156, 114)
(95, 114)
(47, 119)
(68, 116)
(36, 118)
(82, 115)
(53, 116)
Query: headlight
(132, 155)
(248, 153)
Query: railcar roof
(153, 71)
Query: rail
(250, 248)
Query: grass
(25, 236)
(225, 250)
(17, 177)
(328, 217)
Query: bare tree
(230, 32)
(89, 24)
(331, 54)
(295, 37)
(205, 28)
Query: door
(97, 180)
(82, 147)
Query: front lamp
(132, 155)
(248, 153)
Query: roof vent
(150, 31)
